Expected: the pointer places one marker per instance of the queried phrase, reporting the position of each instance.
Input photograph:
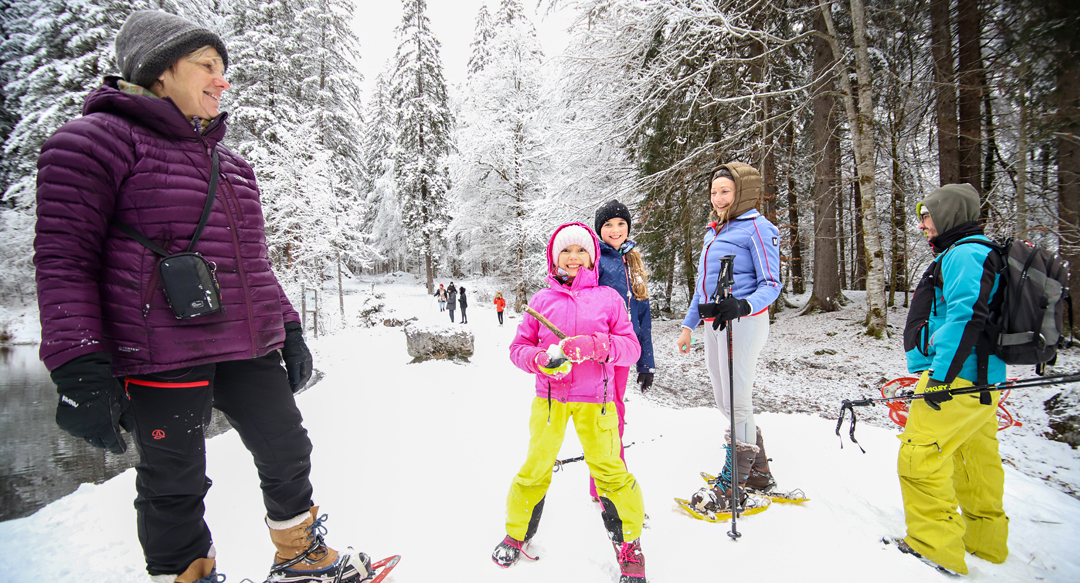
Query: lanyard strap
(211, 193)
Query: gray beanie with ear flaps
(150, 41)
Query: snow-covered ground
(416, 459)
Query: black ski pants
(172, 412)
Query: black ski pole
(559, 463)
(849, 405)
(725, 280)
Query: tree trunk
(969, 34)
(796, 267)
(898, 279)
(1068, 157)
(826, 290)
(858, 276)
(430, 276)
(841, 233)
(945, 92)
(861, 119)
(689, 242)
(1021, 169)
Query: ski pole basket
(898, 410)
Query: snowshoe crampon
(796, 496)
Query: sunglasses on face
(921, 211)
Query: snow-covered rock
(438, 342)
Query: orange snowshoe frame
(898, 410)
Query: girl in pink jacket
(599, 337)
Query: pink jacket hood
(580, 309)
(585, 277)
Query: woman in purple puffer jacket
(142, 155)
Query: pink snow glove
(560, 369)
(582, 348)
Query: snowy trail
(416, 459)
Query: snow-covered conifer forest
(851, 110)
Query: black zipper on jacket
(240, 270)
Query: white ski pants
(748, 336)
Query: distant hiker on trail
(500, 305)
(148, 154)
(621, 268)
(949, 447)
(738, 229)
(575, 385)
(440, 295)
(464, 303)
(451, 300)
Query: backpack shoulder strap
(984, 347)
(1003, 249)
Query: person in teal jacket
(949, 450)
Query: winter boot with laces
(509, 551)
(761, 479)
(716, 497)
(631, 561)
(303, 557)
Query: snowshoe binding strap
(848, 405)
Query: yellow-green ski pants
(599, 436)
(949, 458)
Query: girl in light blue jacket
(737, 229)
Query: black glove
(728, 309)
(935, 393)
(296, 355)
(644, 380)
(92, 404)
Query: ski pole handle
(547, 323)
(725, 279)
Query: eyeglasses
(921, 211)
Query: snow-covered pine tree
(263, 102)
(382, 221)
(295, 114)
(330, 90)
(501, 163)
(58, 52)
(423, 125)
(481, 49)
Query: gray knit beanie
(150, 41)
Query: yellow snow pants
(950, 458)
(624, 507)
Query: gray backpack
(1027, 314)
